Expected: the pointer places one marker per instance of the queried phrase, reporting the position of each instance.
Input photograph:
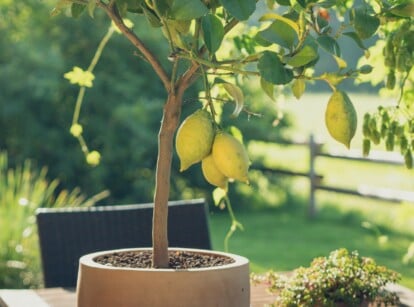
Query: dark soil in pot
(178, 259)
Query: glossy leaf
(187, 9)
(236, 93)
(273, 16)
(272, 69)
(240, 9)
(364, 23)
(281, 33)
(268, 88)
(329, 44)
(298, 88)
(306, 55)
(213, 32)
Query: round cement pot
(100, 285)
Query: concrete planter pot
(100, 285)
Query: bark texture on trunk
(169, 124)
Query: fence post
(313, 151)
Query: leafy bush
(22, 191)
(343, 277)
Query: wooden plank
(371, 192)
(58, 297)
(282, 171)
(21, 298)
(374, 156)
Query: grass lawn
(283, 238)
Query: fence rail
(316, 180)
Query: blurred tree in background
(36, 105)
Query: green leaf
(306, 55)
(218, 196)
(91, 7)
(130, 6)
(213, 32)
(77, 9)
(268, 88)
(329, 44)
(163, 6)
(236, 93)
(356, 39)
(272, 69)
(404, 9)
(365, 69)
(283, 2)
(364, 23)
(340, 62)
(240, 9)
(151, 17)
(281, 33)
(298, 88)
(273, 16)
(187, 9)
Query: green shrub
(342, 278)
(22, 191)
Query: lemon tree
(224, 44)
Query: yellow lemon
(194, 138)
(212, 174)
(341, 118)
(230, 157)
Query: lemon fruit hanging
(212, 174)
(230, 157)
(341, 118)
(194, 138)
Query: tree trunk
(169, 124)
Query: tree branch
(113, 14)
(189, 76)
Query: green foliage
(343, 277)
(394, 58)
(287, 46)
(22, 191)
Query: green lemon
(341, 118)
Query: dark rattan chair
(65, 234)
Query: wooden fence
(316, 180)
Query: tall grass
(23, 190)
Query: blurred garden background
(41, 164)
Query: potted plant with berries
(281, 48)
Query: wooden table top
(62, 297)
